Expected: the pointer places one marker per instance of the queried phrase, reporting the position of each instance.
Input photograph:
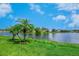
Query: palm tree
(25, 27)
(11, 30)
(22, 27)
(15, 30)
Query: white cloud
(75, 20)
(5, 9)
(59, 17)
(72, 7)
(72, 24)
(36, 8)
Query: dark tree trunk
(24, 36)
(13, 38)
(24, 31)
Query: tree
(32, 28)
(22, 27)
(38, 31)
(14, 30)
(25, 27)
(45, 30)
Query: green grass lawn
(37, 48)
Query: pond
(59, 37)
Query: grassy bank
(36, 48)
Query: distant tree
(45, 30)
(54, 30)
(38, 31)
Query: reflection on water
(60, 37)
(5, 34)
(64, 37)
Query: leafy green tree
(45, 30)
(38, 31)
(22, 27)
(32, 28)
(14, 30)
(25, 27)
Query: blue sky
(47, 15)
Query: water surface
(59, 37)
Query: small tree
(14, 30)
(38, 31)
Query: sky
(47, 15)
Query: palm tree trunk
(24, 31)
(13, 38)
(24, 36)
